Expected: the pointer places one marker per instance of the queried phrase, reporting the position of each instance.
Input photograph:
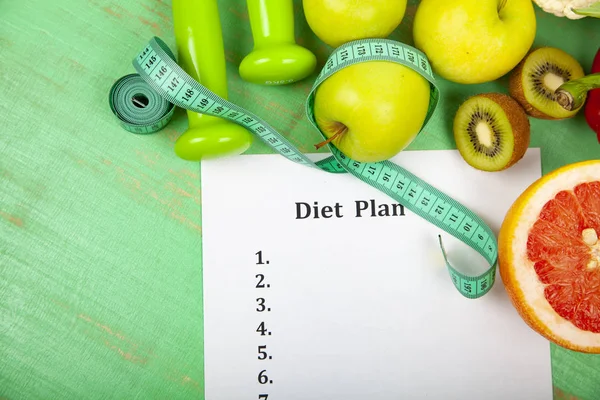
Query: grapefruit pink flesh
(563, 245)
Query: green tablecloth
(100, 229)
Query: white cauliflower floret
(564, 8)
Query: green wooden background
(100, 230)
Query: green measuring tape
(156, 65)
(139, 108)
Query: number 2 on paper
(261, 285)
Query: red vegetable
(584, 92)
(592, 106)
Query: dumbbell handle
(200, 53)
(272, 21)
(276, 59)
(200, 50)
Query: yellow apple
(371, 110)
(336, 22)
(474, 41)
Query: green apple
(371, 110)
(336, 22)
(474, 41)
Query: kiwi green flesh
(544, 71)
(483, 134)
(546, 78)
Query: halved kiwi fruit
(491, 131)
(535, 79)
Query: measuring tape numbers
(139, 108)
(156, 65)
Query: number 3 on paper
(262, 377)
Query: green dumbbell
(276, 59)
(201, 54)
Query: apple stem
(339, 133)
(501, 4)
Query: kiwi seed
(491, 131)
(535, 79)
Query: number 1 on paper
(262, 378)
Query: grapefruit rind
(520, 279)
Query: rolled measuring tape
(156, 65)
(138, 107)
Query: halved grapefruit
(549, 256)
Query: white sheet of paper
(356, 307)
